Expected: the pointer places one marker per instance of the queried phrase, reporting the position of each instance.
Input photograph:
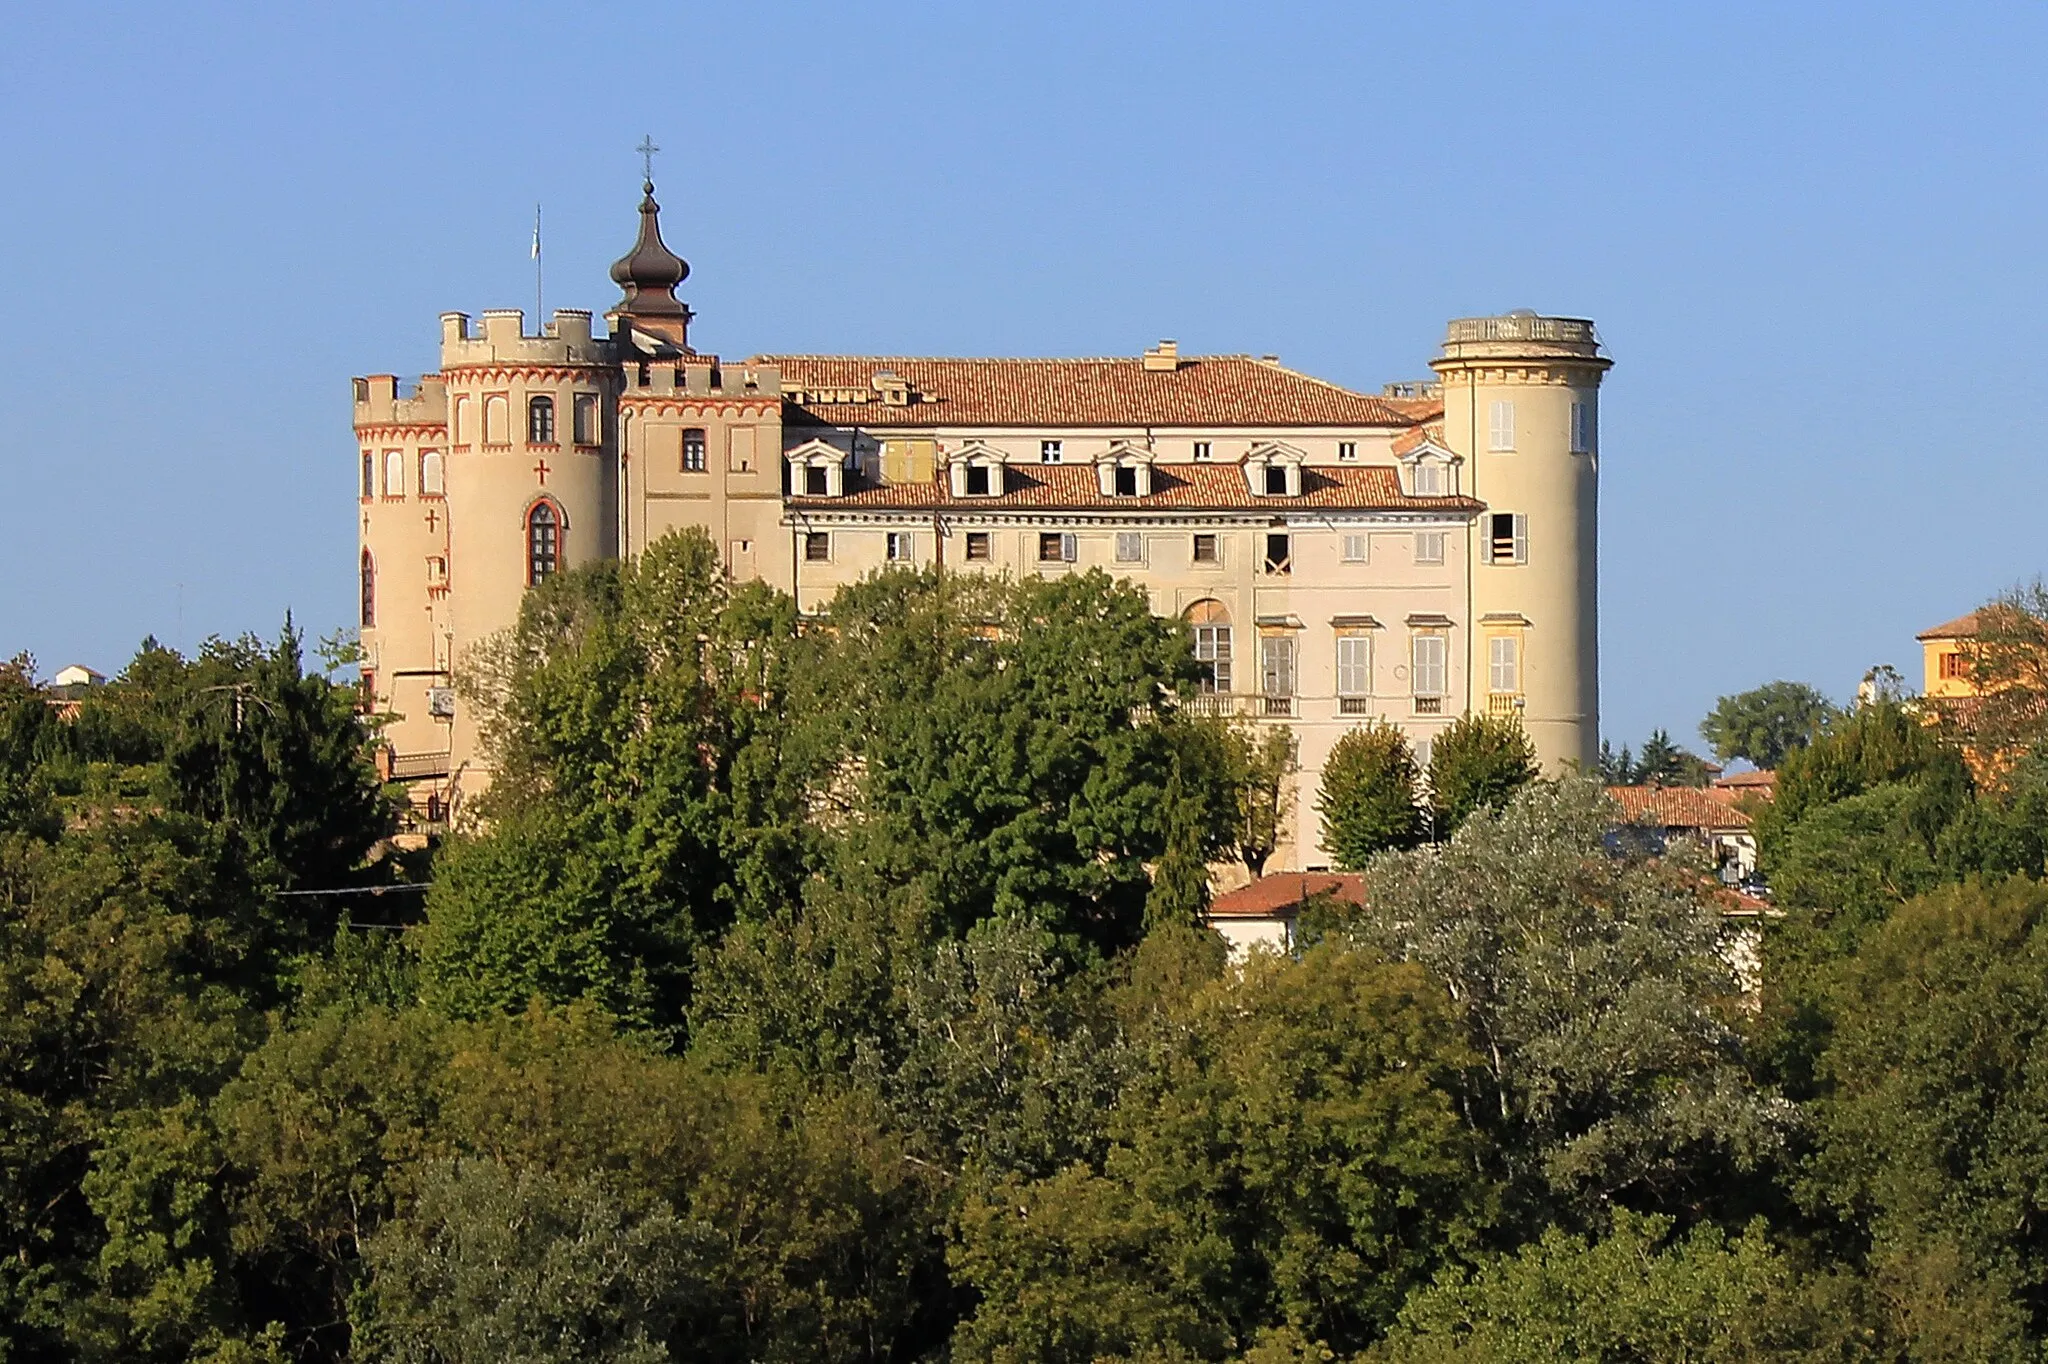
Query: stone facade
(1412, 554)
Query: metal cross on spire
(647, 149)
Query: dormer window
(1273, 470)
(1126, 482)
(1124, 470)
(814, 482)
(1276, 480)
(1429, 478)
(976, 471)
(977, 480)
(817, 469)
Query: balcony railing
(1276, 705)
(1504, 703)
(1354, 705)
(1520, 327)
(1429, 705)
(412, 766)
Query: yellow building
(1411, 554)
(1945, 658)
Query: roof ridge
(1009, 359)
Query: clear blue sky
(1812, 235)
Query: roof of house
(1962, 627)
(1429, 433)
(1175, 487)
(1679, 807)
(1758, 781)
(1209, 390)
(1283, 892)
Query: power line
(362, 890)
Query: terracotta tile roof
(1284, 891)
(1175, 487)
(1210, 390)
(1762, 782)
(1962, 627)
(1679, 807)
(1430, 432)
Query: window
(497, 420)
(1126, 483)
(1501, 431)
(543, 542)
(464, 435)
(369, 474)
(979, 546)
(437, 569)
(1429, 478)
(369, 590)
(1279, 554)
(693, 451)
(1203, 449)
(1207, 550)
(1582, 428)
(977, 480)
(1426, 666)
(1056, 547)
(1212, 645)
(815, 481)
(1354, 674)
(1051, 451)
(1347, 449)
(900, 547)
(817, 547)
(394, 473)
(1503, 664)
(1429, 547)
(1354, 548)
(1952, 666)
(431, 482)
(1276, 480)
(1277, 674)
(587, 429)
(1130, 547)
(540, 421)
(1507, 538)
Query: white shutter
(1354, 665)
(1521, 538)
(1068, 549)
(1428, 670)
(1279, 661)
(1502, 434)
(1504, 673)
(1582, 428)
(1355, 547)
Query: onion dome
(650, 272)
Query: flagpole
(539, 315)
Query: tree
(1764, 724)
(1180, 882)
(1666, 764)
(1289, 1158)
(1478, 762)
(1594, 988)
(1369, 799)
(536, 1266)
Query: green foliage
(1595, 990)
(493, 1264)
(1630, 1295)
(1767, 723)
(1663, 763)
(1478, 762)
(1290, 1156)
(1180, 883)
(1369, 800)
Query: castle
(1413, 554)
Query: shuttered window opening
(1507, 538)
(1501, 427)
(1427, 665)
(1504, 664)
(1354, 673)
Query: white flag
(536, 231)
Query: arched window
(394, 473)
(369, 590)
(463, 435)
(543, 542)
(1210, 624)
(540, 421)
(369, 474)
(431, 484)
(693, 451)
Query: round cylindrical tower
(532, 465)
(1521, 405)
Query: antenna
(539, 314)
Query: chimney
(1163, 357)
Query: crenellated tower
(1521, 409)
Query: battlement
(501, 339)
(703, 376)
(1520, 334)
(381, 399)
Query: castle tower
(1521, 407)
(532, 466)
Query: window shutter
(1068, 549)
(1486, 546)
(1354, 665)
(1521, 538)
(1503, 426)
